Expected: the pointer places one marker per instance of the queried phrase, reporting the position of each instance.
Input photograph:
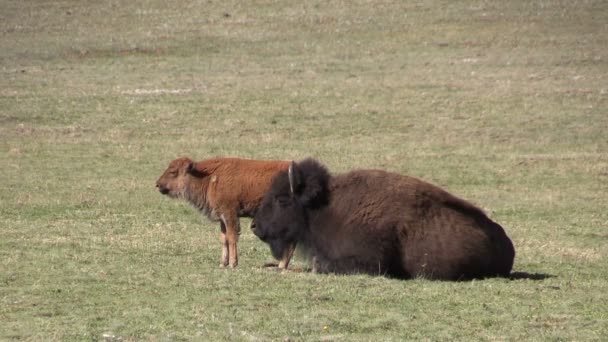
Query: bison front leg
(287, 255)
(315, 265)
(224, 242)
(232, 236)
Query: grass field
(504, 103)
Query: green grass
(502, 102)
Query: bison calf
(223, 189)
(378, 222)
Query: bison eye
(283, 200)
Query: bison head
(282, 219)
(173, 181)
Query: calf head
(282, 218)
(173, 181)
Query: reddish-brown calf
(223, 189)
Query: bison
(223, 189)
(377, 222)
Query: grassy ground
(502, 102)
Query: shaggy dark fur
(378, 222)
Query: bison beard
(377, 222)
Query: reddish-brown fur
(223, 189)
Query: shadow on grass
(273, 266)
(530, 276)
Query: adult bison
(223, 189)
(378, 222)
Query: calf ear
(195, 171)
(190, 167)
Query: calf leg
(233, 229)
(224, 242)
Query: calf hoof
(223, 262)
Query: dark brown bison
(378, 222)
(223, 189)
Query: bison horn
(291, 180)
